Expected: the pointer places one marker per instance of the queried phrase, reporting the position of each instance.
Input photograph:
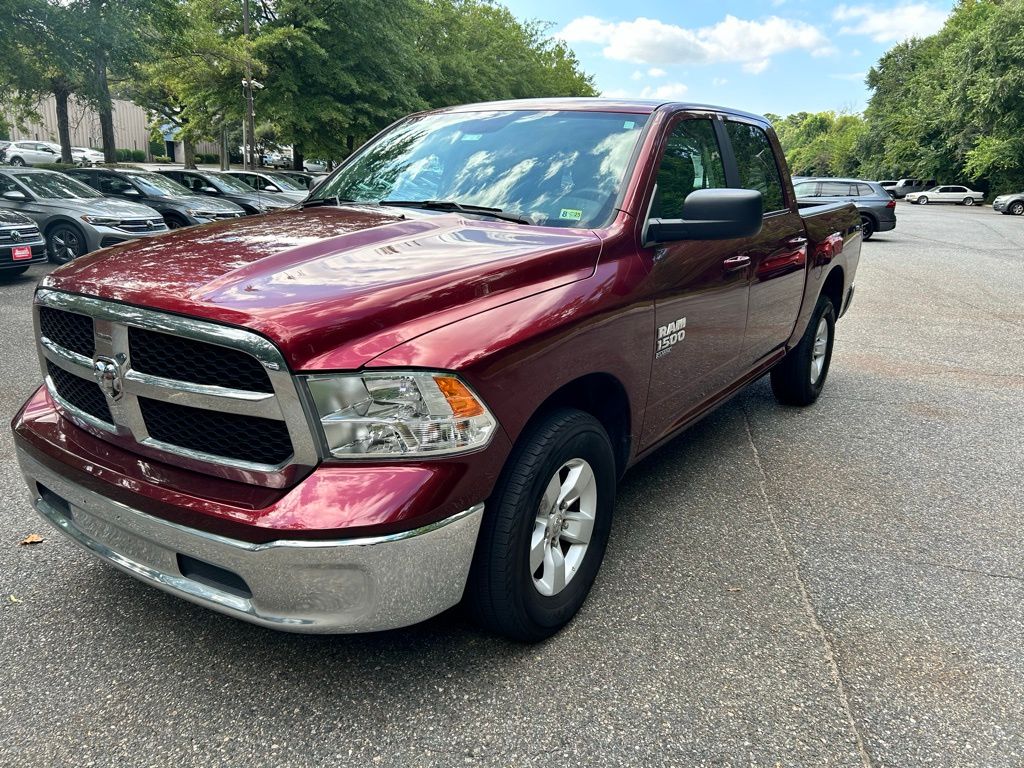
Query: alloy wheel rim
(563, 527)
(1017, 209)
(65, 244)
(819, 350)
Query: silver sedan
(74, 218)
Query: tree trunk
(105, 109)
(225, 154)
(61, 93)
(298, 159)
(190, 153)
(351, 143)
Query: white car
(947, 194)
(32, 153)
(87, 156)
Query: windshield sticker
(573, 214)
(628, 124)
(471, 137)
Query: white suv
(32, 153)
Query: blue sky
(780, 56)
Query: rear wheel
(867, 227)
(922, 200)
(968, 201)
(545, 529)
(799, 378)
(1017, 208)
(64, 243)
(17, 161)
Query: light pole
(248, 155)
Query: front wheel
(12, 272)
(968, 201)
(64, 243)
(545, 529)
(799, 378)
(1017, 208)
(922, 200)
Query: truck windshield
(559, 169)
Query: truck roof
(593, 104)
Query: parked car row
(60, 216)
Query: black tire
(173, 222)
(501, 593)
(65, 242)
(867, 227)
(922, 200)
(1016, 208)
(12, 272)
(793, 382)
(17, 161)
(968, 201)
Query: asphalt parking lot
(841, 585)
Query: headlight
(101, 221)
(196, 214)
(399, 413)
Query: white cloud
(650, 41)
(656, 72)
(756, 67)
(719, 81)
(853, 76)
(637, 75)
(890, 24)
(666, 91)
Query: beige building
(131, 127)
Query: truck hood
(336, 287)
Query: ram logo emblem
(669, 335)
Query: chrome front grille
(19, 235)
(142, 225)
(208, 397)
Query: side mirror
(271, 188)
(16, 196)
(711, 214)
(131, 192)
(209, 190)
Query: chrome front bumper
(345, 585)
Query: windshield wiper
(449, 205)
(335, 200)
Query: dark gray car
(178, 205)
(74, 218)
(877, 209)
(226, 187)
(273, 183)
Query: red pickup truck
(421, 385)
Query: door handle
(736, 262)
(797, 241)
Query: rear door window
(838, 189)
(755, 159)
